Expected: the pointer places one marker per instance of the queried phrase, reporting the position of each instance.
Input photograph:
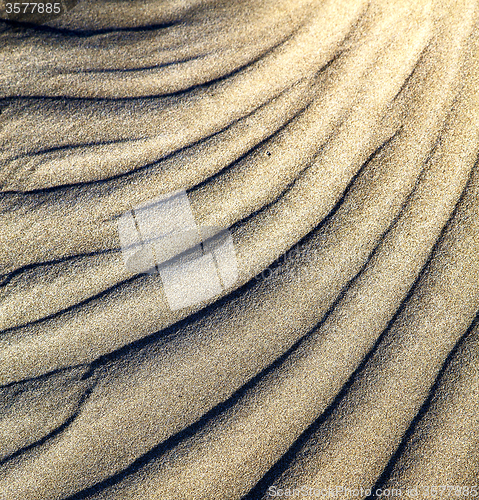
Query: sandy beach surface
(331, 350)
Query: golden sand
(337, 141)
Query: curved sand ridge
(338, 142)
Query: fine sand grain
(337, 141)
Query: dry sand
(338, 142)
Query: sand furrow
(337, 142)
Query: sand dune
(337, 142)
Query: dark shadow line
(145, 68)
(59, 32)
(71, 308)
(55, 432)
(255, 149)
(6, 278)
(413, 72)
(67, 147)
(125, 175)
(44, 376)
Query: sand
(337, 142)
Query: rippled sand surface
(338, 143)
